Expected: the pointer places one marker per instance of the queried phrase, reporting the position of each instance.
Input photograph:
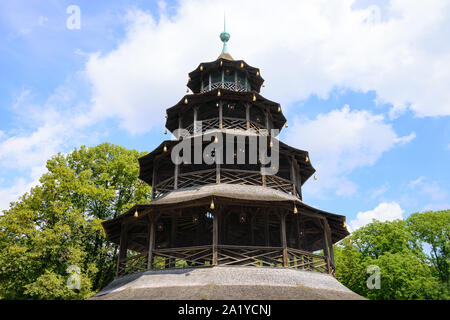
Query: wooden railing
(230, 176)
(227, 255)
(227, 123)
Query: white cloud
(430, 189)
(341, 141)
(385, 211)
(399, 50)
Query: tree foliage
(396, 247)
(58, 224)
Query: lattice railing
(227, 255)
(164, 187)
(233, 86)
(304, 260)
(234, 176)
(279, 183)
(250, 256)
(134, 264)
(229, 176)
(197, 178)
(227, 123)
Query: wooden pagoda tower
(225, 213)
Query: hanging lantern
(187, 90)
(271, 144)
(211, 206)
(160, 227)
(307, 159)
(257, 73)
(263, 85)
(136, 214)
(242, 64)
(295, 210)
(254, 98)
(167, 116)
(345, 225)
(165, 149)
(216, 140)
(201, 68)
(315, 177)
(286, 125)
(195, 218)
(165, 131)
(242, 217)
(279, 109)
(186, 101)
(221, 63)
(218, 93)
(189, 79)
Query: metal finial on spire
(224, 36)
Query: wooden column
(326, 248)
(173, 235)
(293, 176)
(151, 243)
(220, 114)
(252, 233)
(154, 180)
(330, 242)
(180, 124)
(283, 239)
(216, 218)
(267, 121)
(122, 246)
(298, 232)
(195, 119)
(247, 115)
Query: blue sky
(365, 86)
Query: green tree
(58, 224)
(397, 252)
(433, 228)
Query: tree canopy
(399, 249)
(58, 224)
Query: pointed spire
(225, 36)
